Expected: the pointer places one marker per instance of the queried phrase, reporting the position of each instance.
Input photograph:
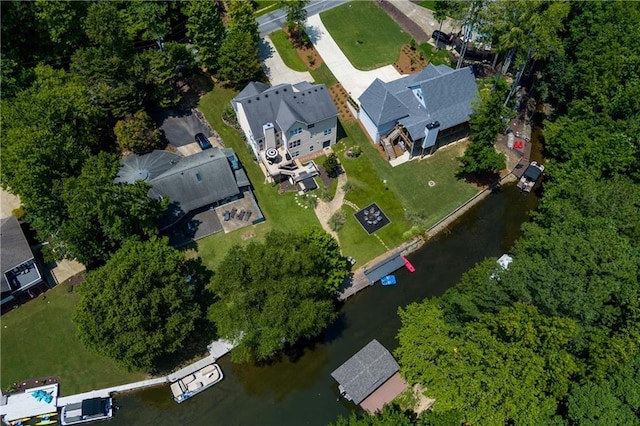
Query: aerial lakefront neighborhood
(337, 212)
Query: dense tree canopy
(47, 132)
(274, 293)
(138, 307)
(101, 215)
(138, 133)
(487, 121)
(207, 31)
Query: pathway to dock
(216, 350)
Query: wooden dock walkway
(103, 393)
(216, 349)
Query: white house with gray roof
(285, 123)
(420, 111)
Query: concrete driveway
(424, 18)
(275, 68)
(352, 79)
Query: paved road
(275, 20)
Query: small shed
(370, 378)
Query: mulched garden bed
(410, 60)
(340, 98)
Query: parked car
(203, 141)
(441, 36)
(189, 229)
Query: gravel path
(324, 210)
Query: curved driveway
(275, 68)
(353, 80)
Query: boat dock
(384, 264)
(106, 392)
(22, 404)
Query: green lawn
(435, 56)
(39, 339)
(265, 6)
(365, 34)
(288, 52)
(428, 4)
(280, 210)
(409, 181)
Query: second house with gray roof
(417, 113)
(286, 123)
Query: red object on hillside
(518, 144)
(408, 264)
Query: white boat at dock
(88, 410)
(195, 382)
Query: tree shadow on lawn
(489, 180)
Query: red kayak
(408, 264)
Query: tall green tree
(137, 308)
(206, 29)
(272, 294)
(146, 20)
(138, 133)
(296, 17)
(101, 215)
(507, 367)
(48, 131)
(238, 62)
(487, 121)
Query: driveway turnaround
(353, 80)
(425, 19)
(275, 68)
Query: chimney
(269, 136)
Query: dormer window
(294, 132)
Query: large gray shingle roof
(448, 95)
(366, 371)
(14, 249)
(188, 182)
(285, 104)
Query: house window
(295, 154)
(311, 148)
(311, 126)
(328, 131)
(198, 177)
(294, 144)
(294, 132)
(326, 144)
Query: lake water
(301, 391)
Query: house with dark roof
(370, 378)
(19, 268)
(285, 123)
(207, 178)
(422, 111)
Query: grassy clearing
(323, 74)
(435, 57)
(265, 6)
(365, 34)
(409, 181)
(287, 51)
(280, 210)
(364, 175)
(39, 339)
(428, 4)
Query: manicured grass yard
(436, 57)
(265, 6)
(287, 51)
(39, 339)
(409, 181)
(280, 210)
(365, 33)
(428, 4)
